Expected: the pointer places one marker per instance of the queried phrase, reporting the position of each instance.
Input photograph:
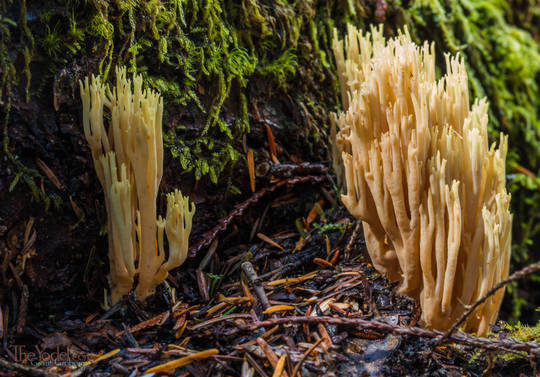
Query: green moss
(221, 154)
(8, 80)
(197, 53)
(281, 68)
(51, 42)
(522, 333)
(525, 333)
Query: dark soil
(53, 301)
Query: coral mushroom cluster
(128, 158)
(421, 176)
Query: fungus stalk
(128, 158)
(421, 176)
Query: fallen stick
(531, 348)
(208, 237)
(515, 276)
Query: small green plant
(331, 227)
(215, 279)
(522, 333)
(281, 69)
(52, 41)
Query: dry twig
(270, 355)
(27, 370)
(251, 274)
(239, 209)
(352, 240)
(515, 276)
(304, 357)
(211, 321)
(507, 345)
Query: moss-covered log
(228, 70)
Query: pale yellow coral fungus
(421, 176)
(128, 158)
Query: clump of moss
(524, 333)
(9, 79)
(198, 54)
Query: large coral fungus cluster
(128, 158)
(421, 176)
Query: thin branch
(251, 274)
(352, 240)
(208, 237)
(507, 345)
(27, 370)
(304, 356)
(515, 276)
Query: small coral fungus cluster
(421, 176)
(128, 158)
